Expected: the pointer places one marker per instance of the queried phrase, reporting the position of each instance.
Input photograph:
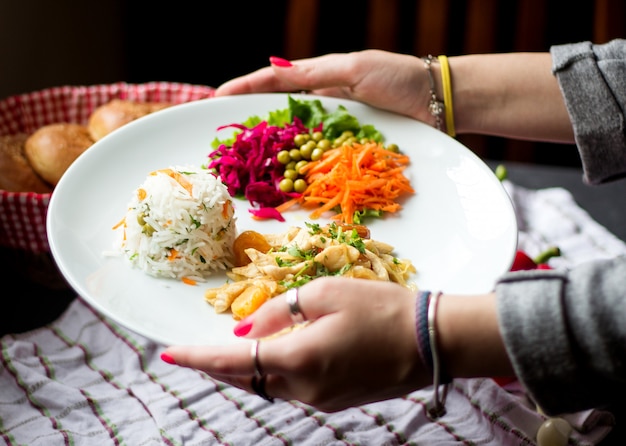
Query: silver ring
(254, 352)
(258, 385)
(294, 306)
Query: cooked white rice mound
(180, 224)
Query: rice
(180, 224)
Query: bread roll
(52, 148)
(16, 173)
(118, 112)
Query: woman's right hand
(390, 81)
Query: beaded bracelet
(435, 106)
(421, 325)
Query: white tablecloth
(84, 380)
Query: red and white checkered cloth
(23, 214)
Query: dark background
(68, 42)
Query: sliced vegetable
(249, 168)
(264, 161)
(354, 181)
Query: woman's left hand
(358, 347)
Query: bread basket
(23, 214)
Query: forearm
(510, 95)
(469, 337)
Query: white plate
(459, 229)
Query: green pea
(324, 144)
(300, 164)
(147, 229)
(300, 139)
(393, 148)
(317, 136)
(299, 185)
(306, 149)
(291, 165)
(317, 154)
(295, 155)
(286, 185)
(283, 157)
(290, 174)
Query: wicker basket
(23, 214)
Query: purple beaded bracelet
(421, 326)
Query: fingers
(307, 303)
(238, 365)
(329, 72)
(241, 359)
(273, 316)
(322, 75)
(223, 360)
(260, 81)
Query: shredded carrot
(188, 281)
(225, 209)
(120, 223)
(141, 194)
(353, 178)
(173, 255)
(178, 177)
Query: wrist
(439, 101)
(470, 343)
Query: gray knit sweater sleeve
(565, 331)
(593, 82)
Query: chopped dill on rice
(180, 224)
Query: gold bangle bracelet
(447, 94)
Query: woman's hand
(390, 81)
(513, 95)
(359, 346)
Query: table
(41, 298)
(605, 203)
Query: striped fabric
(23, 215)
(84, 380)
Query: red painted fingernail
(243, 327)
(168, 358)
(280, 62)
